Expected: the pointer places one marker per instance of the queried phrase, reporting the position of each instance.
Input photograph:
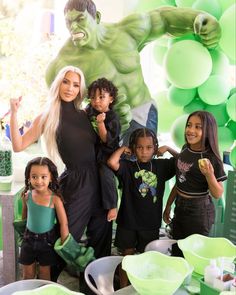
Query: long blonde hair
(51, 114)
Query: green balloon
(169, 2)
(184, 37)
(159, 52)
(231, 107)
(228, 32)
(178, 130)
(211, 6)
(194, 105)
(184, 3)
(232, 126)
(225, 4)
(214, 90)
(167, 112)
(220, 62)
(181, 97)
(219, 112)
(162, 41)
(225, 137)
(188, 64)
(232, 157)
(232, 91)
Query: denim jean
(38, 247)
(192, 216)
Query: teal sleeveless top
(40, 219)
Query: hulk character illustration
(112, 50)
(149, 183)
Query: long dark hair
(43, 161)
(142, 132)
(209, 132)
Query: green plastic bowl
(154, 273)
(48, 289)
(198, 250)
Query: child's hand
(161, 150)
(206, 167)
(15, 104)
(166, 215)
(112, 214)
(127, 151)
(101, 118)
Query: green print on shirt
(94, 123)
(149, 182)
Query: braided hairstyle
(43, 161)
(142, 132)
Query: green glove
(74, 253)
(19, 227)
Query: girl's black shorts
(38, 248)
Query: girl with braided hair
(42, 203)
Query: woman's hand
(15, 104)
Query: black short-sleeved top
(112, 123)
(143, 187)
(189, 179)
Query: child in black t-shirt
(143, 183)
(102, 94)
(199, 177)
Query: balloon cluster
(198, 77)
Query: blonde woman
(69, 135)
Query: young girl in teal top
(42, 203)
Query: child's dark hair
(142, 132)
(209, 131)
(105, 85)
(43, 161)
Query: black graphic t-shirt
(112, 123)
(189, 178)
(143, 187)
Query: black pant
(192, 216)
(108, 187)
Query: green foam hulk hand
(208, 29)
(19, 227)
(73, 253)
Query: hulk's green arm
(174, 21)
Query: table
(130, 291)
(181, 291)
(10, 249)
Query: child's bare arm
(171, 198)
(114, 160)
(61, 214)
(102, 131)
(165, 148)
(216, 188)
